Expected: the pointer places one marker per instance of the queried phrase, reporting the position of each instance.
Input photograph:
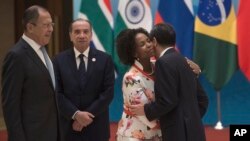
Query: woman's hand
(196, 68)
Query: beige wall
(6, 33)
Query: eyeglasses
(45, 25)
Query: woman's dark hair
(164, 34)
(126, 44)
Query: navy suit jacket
(29, 100)
(94, 97)
(180, 100)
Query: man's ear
(70, 36)
(29, 27)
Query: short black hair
(164, 34)
(126, 44)
(79, 19)
(31, 15)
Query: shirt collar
(85, 53)
(31, 42)
(138, 64)
(165, 50)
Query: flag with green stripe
(100, 14)
(131, 14)
(215, 41)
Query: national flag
(100, 14)
(131, 14)
(180, 14)
(243, 30)
(215, 41)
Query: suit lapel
(72, 63)
(91, 62)
(36, 59)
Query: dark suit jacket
(180, 100)
(94, 97)
(29, 103)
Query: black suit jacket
(29, 104)
(180, 100)
(94, 97)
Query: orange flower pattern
(137, 85)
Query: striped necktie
(49, 65)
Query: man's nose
(50, 28)
(82, 34)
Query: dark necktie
(49, 65)
(82, 70)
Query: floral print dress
(137, 85)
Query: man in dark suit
(180, 101)
(85, 78)
(28, 89)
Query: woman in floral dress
(135, 49)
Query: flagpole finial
(218, 126)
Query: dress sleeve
(133, 88)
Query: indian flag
(131, 14)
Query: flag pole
(218, 125)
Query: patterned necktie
(49, 65)
(82, 70)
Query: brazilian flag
(215, 41)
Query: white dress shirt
(85, 58)
(165, 50)
(36, 47)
